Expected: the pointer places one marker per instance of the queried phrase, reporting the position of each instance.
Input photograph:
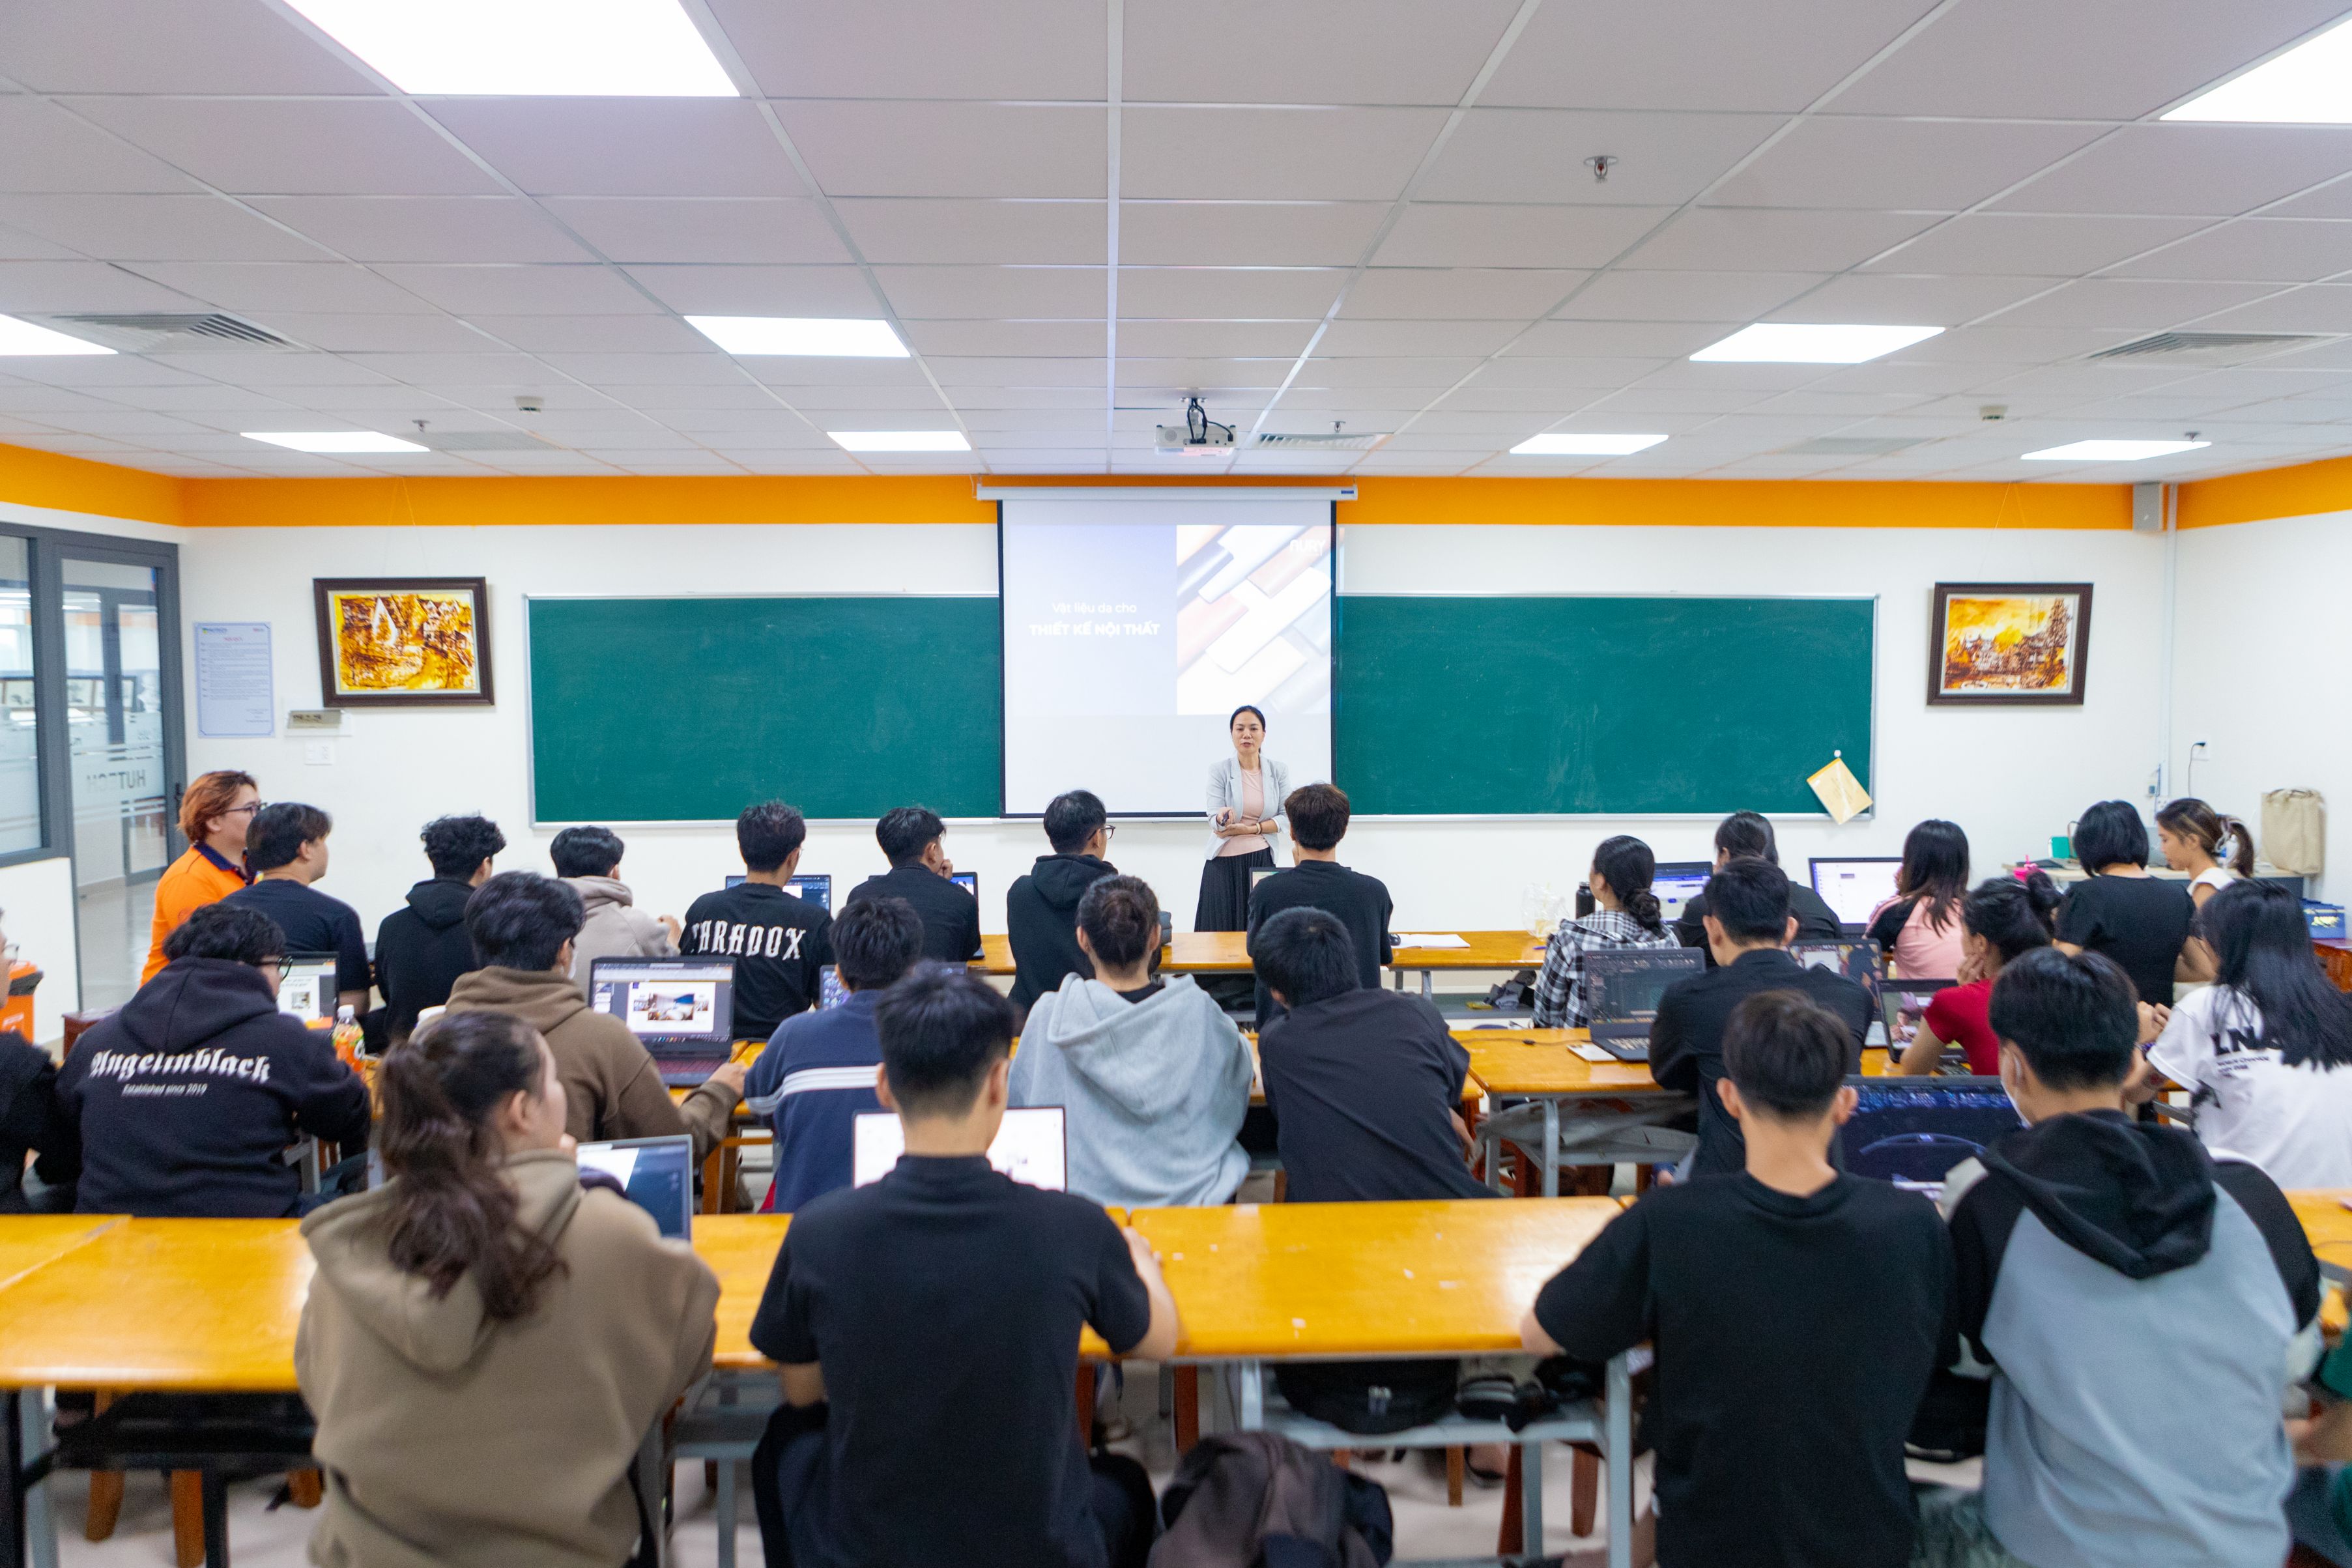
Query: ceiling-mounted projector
(1198, 436)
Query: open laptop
(681, 1010)
(816, 887)
(1855, 885)
(1676, 883)
(1902, 1008)
(656, 1172)
(1860, 962)
(307, 989)
(967, 880)
(1913, 1131)
(1029, 1148)
(1624, 988)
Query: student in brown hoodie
(523, 924)
(486, 1341)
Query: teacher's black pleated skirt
(1224, 891)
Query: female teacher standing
(1245, 795)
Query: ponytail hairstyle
(1935, 868)
(1121, 918)
(2015, 914)
(2263, 947)
(1626, 864)
(454, 1211)
(2226, 838)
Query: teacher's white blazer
(1225, 794)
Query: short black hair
(224, 930)
(2111, 834)
(279, 831)
(1749, 895)
(1746, 833)
(1121, 915)
(905, 833)
(1234, 716)
(768, 833)
(586, 852)
(457, 845)
(1306, 954)
(1072, 817)
(1318, 816)
(875, 941)
(2074, 1016)
(521, 920)
(1786, 1056)
(941, 1029)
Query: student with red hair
(214, 814)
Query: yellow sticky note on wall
(1842, 793)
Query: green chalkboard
(645, 710)
(1497, 706)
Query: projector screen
(1134, 628)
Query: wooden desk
(2336, 957)
(1563, 1110)
(1227, 953)
(2328, 1224)
(29, 1240)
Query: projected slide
(1132, 629)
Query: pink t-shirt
(1252, 809)
(1921, 952)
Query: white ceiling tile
(415, 331)
(682, 403)
(1248, 234)
(337, 146)
(1431, 339)
(376, 394)
(2007, 343)
(984, 397)
(1385, 372)
(582, 289)
(104, 374)
(701, 228)
(1537, 155)
(17, 245)
(272, 370)
(2319, 307)
(952, 293)
(624, 146)
(1061, 339)
(1516, 373)
(202, 400)
(818, 402)
(424, 228)
(1261, 292)
(754, 290)
(63, 285)
(779, 370)
(50, 149)
(922, 48)
(1615, 340)
(902, 229)
(1893, 299)
(1308, 51)
(2331, 201)
(2139, 305)
(165, 47)
(1452, 234)
(649, 369)
(878, 149)
(1214, 339)
(1694, 54)
(2033, 244)
(1774, 239)
(314, 286)
(770, 418)
(960, 370)
(1677, 403)
(1462, 294)
(154, 228)
(594, 334)
(486, 369)
(2219, 170)
(1727, 296)
(1204, 373)
(1833, 162)
(2268, 250)
(1271, 154)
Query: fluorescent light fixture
(2307, 85)
(1581, 444)
(24, 338)
(839, 338)
(901, 440)
(2112, 451)
(528, 48)
(1798, 343)
(331, 440)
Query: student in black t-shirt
(918, 873)
(777, 939)
(1318, 821)
(1748, 929)
(1797, 1313)
(286, 849)
(1746, 835)
(927, 1327)
(2121, 911)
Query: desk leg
(1552, 1148)
(1617, 1453)
(214, 1487)
(40, 1512)
(12, 1496)
(652, 1473)
(1253, 1410)
(1531, 1499)
(1187, 1401)
(1428, 984)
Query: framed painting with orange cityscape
(2008, 643)
(402, 642)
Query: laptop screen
(1853, 888)
(308, 987)
(1904, 1006)
(667, 1002)
(1624, 986)
(816, 887)
(1859, 962)
(967, 880)
(1028, 1147)
(830, 992)
(656, 1172)
(1677, 882)
(1913, 1131)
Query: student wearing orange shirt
(213, 816)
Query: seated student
(775, 936)
(2090, 1250)
(181, 1103)
(1749, 835)
(1625, 915)
(488, 1338)
(1798, 1314)
(1748, 929)
(522, 924)
(287, 850)
(214, 812)
(1918, 929)
(2214, 850)
(817, 1074)
(33, 1127)
(2120, 910)
(2003, 917)
(2266, 1050)
(1318, 821)
(420, 950)
(1041, 909)
(590, 860)
(927, 1326)
(920, 869)
(1154, 1077)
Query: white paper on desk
(618, 1163)
(1429, 939)
(1592, 1052)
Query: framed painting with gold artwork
(2008, 643)
(403, 641)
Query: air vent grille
(1328, 441)
(151, 331)
(1853, 446)
(2211, 345)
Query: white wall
(39, 896)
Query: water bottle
(347, 1035)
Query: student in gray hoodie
(1153, 1076)
(587, 858)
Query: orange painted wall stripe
(1740, 503)
(34, 478)
(583, 500)
(2301, 491)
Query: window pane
(20, 773)
(114, 733)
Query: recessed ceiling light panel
(839, 338)
(2112, 451)
(1583, 445)
(332, 440)
(901, 440)
(2310, 84)
(24, 338)
(1804, 343)
(528, 48)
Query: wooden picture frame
(2016, 647)
(451, 662)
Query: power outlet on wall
(319, 753)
